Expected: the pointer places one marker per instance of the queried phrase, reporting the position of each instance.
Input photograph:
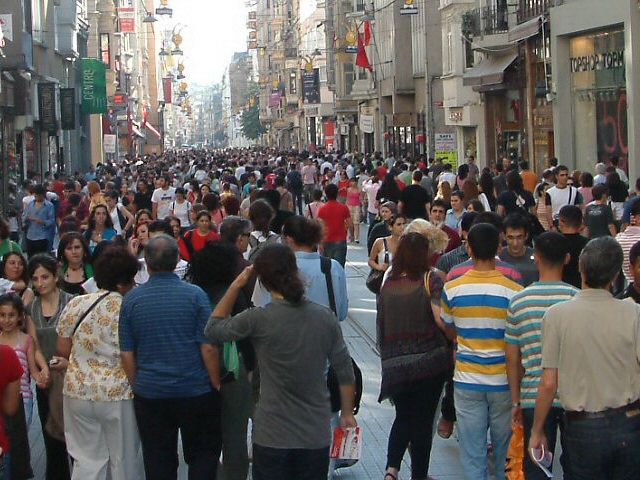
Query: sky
(214, 30)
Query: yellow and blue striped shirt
(476, 304)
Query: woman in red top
(10, 374)
(343, 186)
(195, 239)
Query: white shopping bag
(347, 443)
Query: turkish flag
(361, 57)
(367, 33)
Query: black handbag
(374, 280)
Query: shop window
(105, 50)
(349, 78)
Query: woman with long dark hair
(487, 192)
(294, 340)
(515, 199)
(100, 226)
(389, 190)
(75, 263)
(14, 269)
(414, 352)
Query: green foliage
(250, 120)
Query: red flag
(361, 57)
(367, 33)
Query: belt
(575, 416)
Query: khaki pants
(102, 437)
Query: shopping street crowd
(178, 297)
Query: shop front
(596, 102)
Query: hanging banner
(109, 142)
(127, 19)
(328, 129)
(47, 106)
(366, 123)
(68, 108)
(93, 93)
(274, 99)
(311, 86)
(166, 90)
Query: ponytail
(276, 268)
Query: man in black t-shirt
(570, 224)
(414, 200)
(142, 198)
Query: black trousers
(290, 463)
(413, 425)
(37, 246)
(56, 451)
(197, 419)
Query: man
(370, 187)
(591, 358)
(458, 255)
(562, 193)
(615, 162)
(523, 340)
(337, 220)
(295, 186)
(632, 292)
(309, 179)
(250, 185)
(162, 198)
(142, 197)
(517, 253)
(475, 306)
(438, 213)
(629, 238)
(635, 198)
(570, 225)
(39, 218)
(172, 367)
(236, 231)
(474, 171)
(500, 180)
(414, 200)
(598, 216)
(529, 179)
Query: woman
(127, 196)
(384, 248)
(586, 184)
(414, 352)
(617, 193)
(381, 229)
(487, 192)
(43, 314)
(216, 212)
(180, 207)
(142, 216)
(542, 210)
(95, 195)
(515, 198)
(121, 218)
(389, 190)
(139, 240)
(444, 193)
(475, 206)
(354, 203)
(75, 263)
(455, 213)
(6, 244)
(205, 190)
(196, 238)
(601, 174)
(231, 205)
(100, 424)
(316, 202)
(100, 227)
(213, 269)
(294, 339)
(463, 174)
(470, 191)
(343, 185)
(14, 269)
(176, 226)
(286, 198)
(261, 213)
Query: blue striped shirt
(162, 322)
(524, 329)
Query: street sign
(93, 98)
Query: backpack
(332, 379)
(256, 245)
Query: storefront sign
(68, 108)
(446, 146)
(6, 27)
(328, 128)
(47, 106)
(274, 100)
(597, 61)
(310, 86)
(367, 123)
(109, 142)
(455, 115)
(127, 19)
(93, 98)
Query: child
(353, 204)
(12, 323)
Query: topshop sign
(597, 61)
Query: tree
(250, 120)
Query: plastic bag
(515, 454)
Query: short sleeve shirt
(334, 214)
(597, 218)
(95, 371)
(163, 198)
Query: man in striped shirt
(629, 238)
(475, 305)
(523, 337)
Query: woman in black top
(487, 189)
(515, 198)
(389, 190)
(617, 192)
(75, 263)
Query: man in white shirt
(448, 176)
(162, 198)
(326, 164)
(562, 193)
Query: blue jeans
(294, 463)
(551, 424)
(476, 412)
(606, 447)
(336, 250)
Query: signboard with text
(311, 86)
(47, 106)
(68, 108)
(93, 87)
(127, 19)
(446, 146)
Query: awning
(136, 131)
(489, 71)
(526, 29)
(153, 130)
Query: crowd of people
(193, 292)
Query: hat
(391, 206)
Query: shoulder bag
(374, 280)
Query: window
(449, 65)
(105, 51)
(468, 53)
(362, 74)
(38, 28)
(348, 78)
(359, 6)
(293, 83)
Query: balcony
(529, 9)
(483, 21)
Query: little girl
(12, 334)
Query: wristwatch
(515, 405)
